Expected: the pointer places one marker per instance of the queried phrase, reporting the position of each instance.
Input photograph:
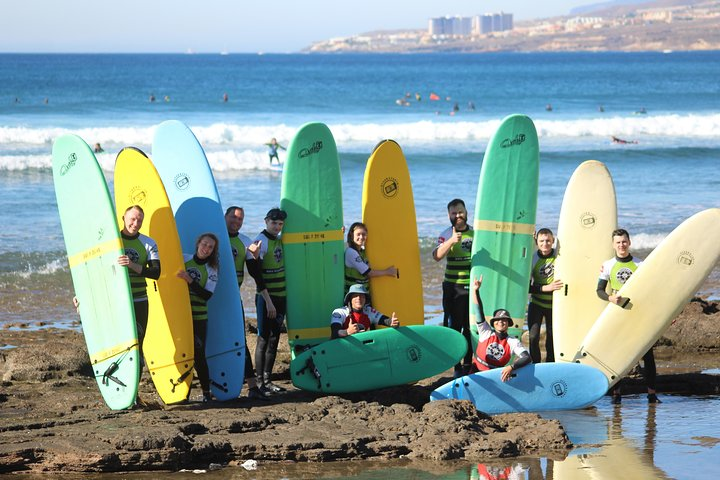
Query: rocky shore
(52, 418)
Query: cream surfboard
(388, 211)
(587, 218)
(168, 344)
(657, 291)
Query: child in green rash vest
(201, 275)
(242, 249)
(270, 301)
(542, 284)
(273, 147)
(455, 244)
(357, 268)
(142, 261)
(615, 272)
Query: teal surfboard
(378, 359)
(93, 244)
(185, 172)
(533, 388)
(312, 237)
(504, 224)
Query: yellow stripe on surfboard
(95, 251)
(312, 237)
(504, 227)
(309, 333)
(103, 355)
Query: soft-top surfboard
(503, 243)
(93, 244)
(312, 237)
(533, 388)
(657, 291)
(377, 359)
(190, 186)
(168, 344)
(388, 211)
(588, 217)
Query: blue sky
(227, 25)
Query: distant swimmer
(418, 97)
(46, 101)
(456, 107)
(642, 111)
(621, 141)
(166, 98)
(98, 148)
(225, 97)
(152, 97)
(273, 147)
(601, 109)
(471, 105)
(548, 108)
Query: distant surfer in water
(357, 267)
(616, 272)
(273, 148)
(495, 347)
(357, 315)
(622, 141)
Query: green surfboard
(93, 245)
(504, 225)
(312, 237)
(378, 359)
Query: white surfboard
(588, 217)
(658, 290)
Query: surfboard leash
(309, 364)
(107, 376)
(181, 378)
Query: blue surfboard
(185, 172)
(534, 388)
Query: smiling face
(545, 243)
(359, 236)
(274, 227)
(234, 220)
(357, 301)
(133, 220)
(205, 248)
(621, 244)
(458, 216)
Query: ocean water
(668, 175)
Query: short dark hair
(544, 231)
(455, 201)
(619, 232)
(232, 209)
(276, 214)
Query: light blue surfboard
(185, 172)
(534, 388)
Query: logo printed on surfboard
(182, 181)
(316, 147)
(686, 259)
(72, 159)
(559, 388)
(518, 140)
(414, 354)
(389, 187)
(588, 220)
(138, 196)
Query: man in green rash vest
(615, 272)
(542, 284)
(455, 244)
(270, 301)
(142, 261)
(243, 248)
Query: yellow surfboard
(168, 344)
(588, 217)
(388, 211)
(657, 291)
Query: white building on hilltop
(466, 26)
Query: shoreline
(54, 420)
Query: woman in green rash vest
(142, 261)
(357, 268)
(201, 274)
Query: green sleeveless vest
(543, 273)
(273, 268)
(352, 276)
(135, 249)
(197, 303)
(457, 269)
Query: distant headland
(660, 25)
